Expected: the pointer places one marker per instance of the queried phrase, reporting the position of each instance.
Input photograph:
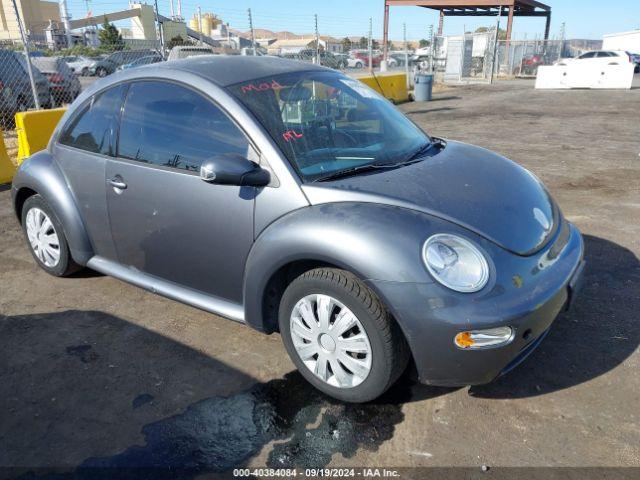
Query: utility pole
(180, 9)
(173, 14)
(370, 45)
(562, 35)
(495, 45)
(406, 54)
(34, 91)
(317, 59)
(431, 49)
(253, 37)
(64, 16)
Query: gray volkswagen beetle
(294, 199)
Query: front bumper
(527, 294)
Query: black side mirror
(232, 169)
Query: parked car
(396, 59)
(79, 65)
(142, 61)
(327, 59)
(308, 55)
(108, 65)
(295, 199)
(16, 94)
(64, 86)
(600, 57)
(343, 59)
(186, 51)
(331, 60)
(360, 59)
(529, 65)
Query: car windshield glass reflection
(325, 122)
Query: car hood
(470, 186)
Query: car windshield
(326, 122)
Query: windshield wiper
(347, 172)
(413, 157)
(419, 152)
(352, 171)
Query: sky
(583, 18)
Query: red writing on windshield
(291, 135)
(261, 87)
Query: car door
(86, 142)
(166, 221)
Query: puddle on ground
(220, 433)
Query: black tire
(66, 265)
(359, 65)
(101, 72)
(390, 352)
(84, 72)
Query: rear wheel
(359, 65)
(45, 238)
(340, 336)
(101, 72)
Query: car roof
(46, 62)
(225, 70)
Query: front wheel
(340, 336)
(46, 239)
(101, 72)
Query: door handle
(117, 183)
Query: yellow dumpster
(392, 86)
(34, 130)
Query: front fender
(373, 241)
(41, 174)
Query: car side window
(93, 129)
(588, 55)
(604, 54)
(172, 126)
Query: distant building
(143, 27)
(296, 45)
(331, 44)
(35, 16)
(629, 41)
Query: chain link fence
(51, 75)
(521, 58)
(54, 77)
(480, 57)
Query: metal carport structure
(473, 8)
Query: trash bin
(423, 87)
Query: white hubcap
(331, 341)
(43, 237)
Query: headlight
(455, 262)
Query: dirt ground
(94, 372)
